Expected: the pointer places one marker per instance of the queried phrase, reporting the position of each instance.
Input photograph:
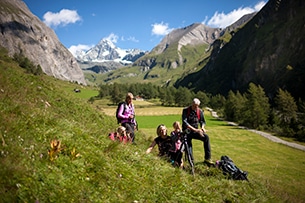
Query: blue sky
(140, 24)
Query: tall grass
(89, 167)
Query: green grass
(34, 110)
(277, 167)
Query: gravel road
(272, 137)
(267, 135)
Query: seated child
(120, 135)
(176, 154)
(163, 141)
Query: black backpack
(231, 170)
(117, 111)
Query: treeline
(281, 115)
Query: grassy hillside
(88, 167)
(162, 72)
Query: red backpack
(189, 112)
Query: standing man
(192, 117)
(126, 114)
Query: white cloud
(132, 39)
(161, 29)
(77, 49)
(63, 18)
(112, 38)
(259, 5)
(223, 20)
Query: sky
(133, 24)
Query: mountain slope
(172, 45)
(22, 32)
(182, 52)
(194, 34)
(176, 55)
(269, 51)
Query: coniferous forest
(282, 115)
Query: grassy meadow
(277, 167)
(55, 148)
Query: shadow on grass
(208, 170)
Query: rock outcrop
(23, 32)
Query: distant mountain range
(266, 48)
(105, 56)
(176, 56)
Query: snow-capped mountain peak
(106, 50)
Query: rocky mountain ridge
(105, 57)
(194, 35)
(181, 52)
(269, 50)
(105, 50)
(22, 32)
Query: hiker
(192, 117)
(120, 135)
(126, 115)
(163, 141)
(176, 154)
(123, 135)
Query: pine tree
(217, 102)
(234, 107)
(183, 96)
(117, 95)
(204, 98)
(286, 106)
(286, 111)
(229, 110)
(239, 107)
(257, 107)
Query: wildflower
(55, 149)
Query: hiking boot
(209, 161)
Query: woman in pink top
(126, 114)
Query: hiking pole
(187, 150)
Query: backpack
(197, 111)
(230, 169)
(117, 111)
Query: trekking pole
(187, 151)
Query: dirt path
(272, 138)
(264, 134)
